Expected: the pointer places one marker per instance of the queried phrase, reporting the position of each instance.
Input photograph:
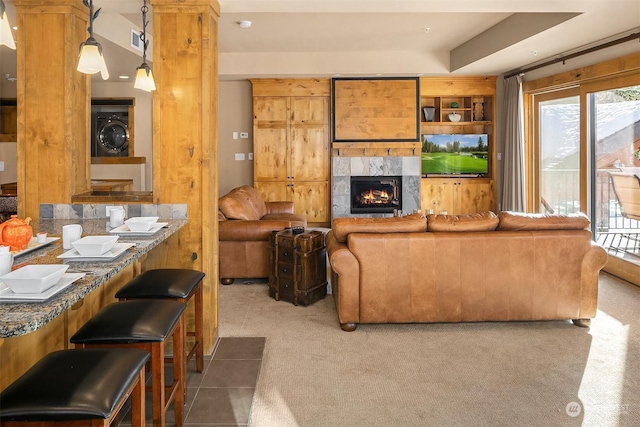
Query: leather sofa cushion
(518, 221)
(483, 221)
(242, 203)
(401, 224)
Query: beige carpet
(483, 374)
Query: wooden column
(54, 102)
(185, 115)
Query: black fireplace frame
(354, 180)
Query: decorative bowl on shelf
(94, 245)
(454, 117)
(141, 223)
(34, 278)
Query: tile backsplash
(99, 211)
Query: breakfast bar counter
(30, 330)
(22, 318)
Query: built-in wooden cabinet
(456, 196)
(473, 100)
(8, 120)
(291, 144)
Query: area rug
(494, 373)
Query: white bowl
(141, 223)
(94, 245)
(35, 278)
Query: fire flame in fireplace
(375, 197)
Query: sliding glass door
(586, 152)
(558, 158)
(614, 133)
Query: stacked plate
(96, 248)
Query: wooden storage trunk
(298, 267)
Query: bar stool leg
(198, 334)
(157, 385)
(179, 364)
(138, 418)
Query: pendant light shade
(6, 38)
(144, 78)
(144, 75)
(90, 59)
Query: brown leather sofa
(245, 222)
(471, 268)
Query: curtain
(513, 189)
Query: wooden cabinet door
(274, 191)
(271, 136)
(312, 200)
(438, 195)
(310, 139)
(475, 196)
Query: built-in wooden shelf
(376, 149)
(113, 197)
(118, 160)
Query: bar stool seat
(179, 284)
(146, 325)
(77, 387)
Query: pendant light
(91, 60)
(144, 75)
(6, 38)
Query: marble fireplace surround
(344, 167)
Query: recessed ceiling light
(244, 24)
(534, 53)
(426, 30)
(123, 77)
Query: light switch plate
(239, 156)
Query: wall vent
(136, 42)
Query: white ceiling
(291, 38)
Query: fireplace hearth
(376, 194)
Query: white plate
(114, 252)
(7, 294)
(33, 245)
(124, 230)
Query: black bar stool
(177, 284)
(146, 325)
(77, 388)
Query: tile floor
(223, 393)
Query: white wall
(8, 156)
(235, 105)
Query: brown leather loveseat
(447, 268)
(245, 224)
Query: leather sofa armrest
(346, 291)
(249, 230)
(279, 207)
(592, 262)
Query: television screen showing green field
(455, 154)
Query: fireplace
(376, 194)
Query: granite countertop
(20, 318)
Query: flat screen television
(455, 154)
